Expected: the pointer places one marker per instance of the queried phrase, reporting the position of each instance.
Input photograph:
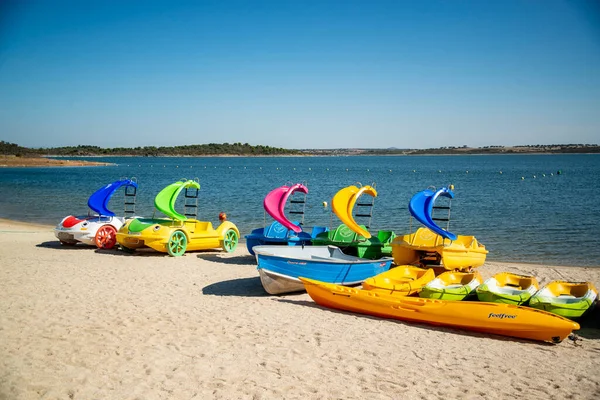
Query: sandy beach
(82, 323)
(12, 161)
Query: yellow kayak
(499, 319)
(403, 280)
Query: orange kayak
(496, 318)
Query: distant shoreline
(25, 162)
(78, 161)
(31, 156)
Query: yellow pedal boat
(427, 248)
(179, 232)
(403, 280)
(499, 319)
(452, 285)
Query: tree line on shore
(147, 151)
(239, 149)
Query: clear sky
(300, 74)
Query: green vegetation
(210, 149)
(11, 149)
(239, 149)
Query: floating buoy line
(439, 171)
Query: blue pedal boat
(283, 231)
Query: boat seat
(317, 230)
(425, 238)
(202, 225)
(385, 236)
(276, 231)
(344, 234)
(510, 291)
(561, 299)
(512, 286)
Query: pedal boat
(282, 231)
(508, 288)
(432, 245)
(177, 233)
(280, 266)
(567, 299)
(99, 229)
(494, 318)
(402, 280)
(452, 286)
(354, 238)
(427, 248)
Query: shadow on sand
(590, 325)
(116, 251)
(224, 259)
(55, 244)
(243, 287)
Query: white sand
(88, 324)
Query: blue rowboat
(280, 267)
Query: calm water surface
(519, 206)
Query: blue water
(518, 206)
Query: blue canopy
(98, 201)
(421, 207)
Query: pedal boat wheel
(230, 241)
(106, 237)
(177, 244)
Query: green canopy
(166, 198)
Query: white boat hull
(85, 231)
(275, 283)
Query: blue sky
(300, 74)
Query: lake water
(519, 206)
